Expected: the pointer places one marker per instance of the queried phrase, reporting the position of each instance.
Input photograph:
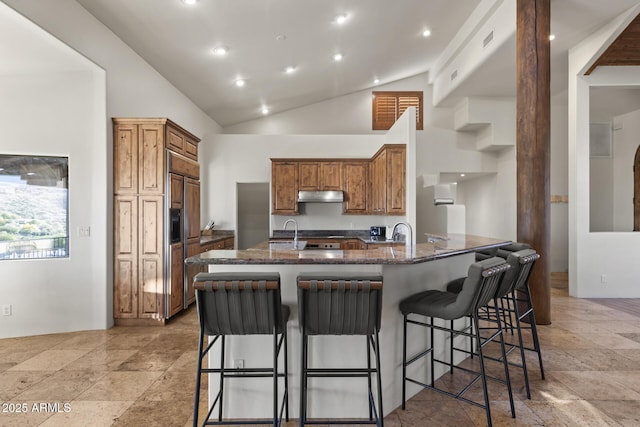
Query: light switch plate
(84, 231)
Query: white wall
(625, 144)
(132, 88)
(594, 255)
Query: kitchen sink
(287, 245)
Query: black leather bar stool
(514, 303)
(241, 304)
(341, 305)
(478, 289)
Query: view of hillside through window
(33, 207)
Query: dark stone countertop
(454, 244)
(215, 236)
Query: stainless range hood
(320, 196)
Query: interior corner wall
(60, 114)
(558, 185)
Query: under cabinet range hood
(320, 196)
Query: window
(388, 106)
(34, 207)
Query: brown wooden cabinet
(387, 180)
(284, 188)
(375, 186)
(355, 185)
(148, 271)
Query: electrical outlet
(238, 363)
(603, 278)
(6, 310)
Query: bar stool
(341, 305)
(515, 303)
(478, 288)
(241, 304)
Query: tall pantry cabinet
(156, 172)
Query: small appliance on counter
(378, 232)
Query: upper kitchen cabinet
(320, 175)
(138, 158)
(284, 187)
(354, 182)
(387, 180)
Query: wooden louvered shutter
(388, 106)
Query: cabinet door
(193, 248)
(330, 176)
(176, 190)
(176, 287)
(125, 243)
(191, 149)
(354, 180)
(125, 159)
(284, 188)
(377, 181)
(396, 181)
(175, 140)
(309, 176)
(151, 159)
(192, 207)
(150, 257)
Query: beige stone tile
(13, 383)
(173, 386)
(144, 360)
(61, 386)
(570, 413)
(137, 339)
(32, 343)
(152, 414)
(501, 414)
(613, 341)
(84, 341)
(23, 419)
(627, 413)
(49, 360)
(593, 385)
(100, 360)
(629, 379)
(434, 413)
(604, 359)
(187, 362)
(87, 413)
(10, 359)
(174, 341)
(120, 386)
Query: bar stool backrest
(521, 263)
(340, 305)
(238, 304)
(479, 287)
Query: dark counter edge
(204, 259)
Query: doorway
(253, 213)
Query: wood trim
(183, 166)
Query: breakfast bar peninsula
(405, 270)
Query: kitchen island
(405, 270)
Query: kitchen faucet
(395, 234)
(295, 230)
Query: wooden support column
(533, 144)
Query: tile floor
(133, 376)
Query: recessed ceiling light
(426, 33)
(190, 2)
(240, 82)
(552, 37)
(220, 50)
(264, 110)
(341, 19)
(281, 37)
(461, 174)
(337, 57)
(290, 70)
(376, 81)
(31, 173)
